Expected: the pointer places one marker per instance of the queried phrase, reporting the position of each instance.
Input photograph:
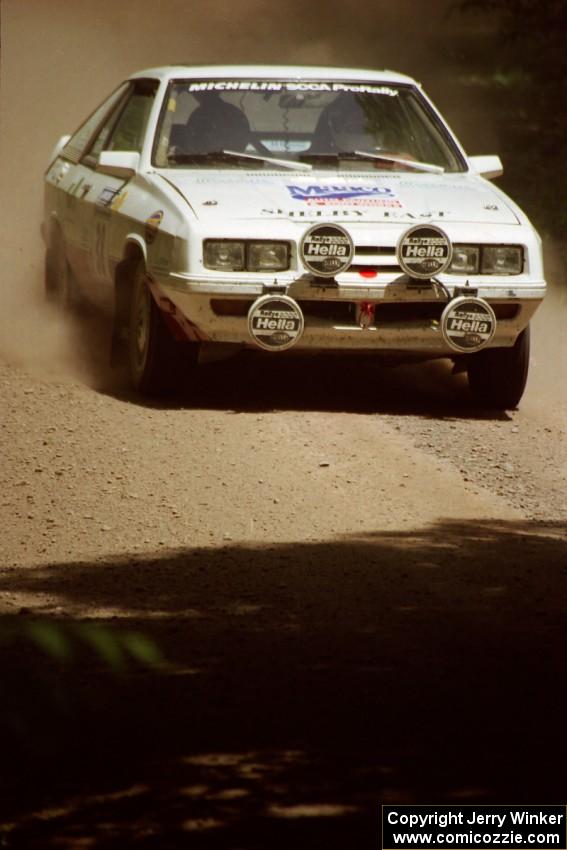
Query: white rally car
(215, 209)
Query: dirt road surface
(246, 617)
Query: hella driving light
(466, 259)
(502, 259)
(268, 256)
(225, 255)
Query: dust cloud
(548, 362)
(59, 59)
(42, 339)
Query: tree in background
(532, 63)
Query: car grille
(370, 259)
(344, 312)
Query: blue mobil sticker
(356, 195)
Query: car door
(67, 184)
(124, 130)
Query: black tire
(156, 361)
(498, 376)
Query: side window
(124, 128)
(78, 142)
(101, 141)
(128, 134)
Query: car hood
(357, 195)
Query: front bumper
(405, 314)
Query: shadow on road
(259, 382)
(351, 384)
(303, 686)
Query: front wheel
(498, 376)
(155, 359)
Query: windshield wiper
(196, 158)
(282, 163)
(410, 163)
(354, 155)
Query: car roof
(299, 72)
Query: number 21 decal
(100, 248)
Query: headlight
(487, 259)
(465, 259)
(231, 255)
(502, 259)
(268, 256)
(225, 255)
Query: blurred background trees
(529, 67)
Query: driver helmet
(348, 125)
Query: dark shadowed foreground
(398, 667)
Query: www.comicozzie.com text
(486, 839)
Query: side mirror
(58, 148)
(487, 166)
(122, 164)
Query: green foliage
(64, 642)
(531, 63)
(50, 639)
(143, 649)
(532, 36)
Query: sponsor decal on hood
(357, 195)
(360, 196)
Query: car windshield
(368, 126)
